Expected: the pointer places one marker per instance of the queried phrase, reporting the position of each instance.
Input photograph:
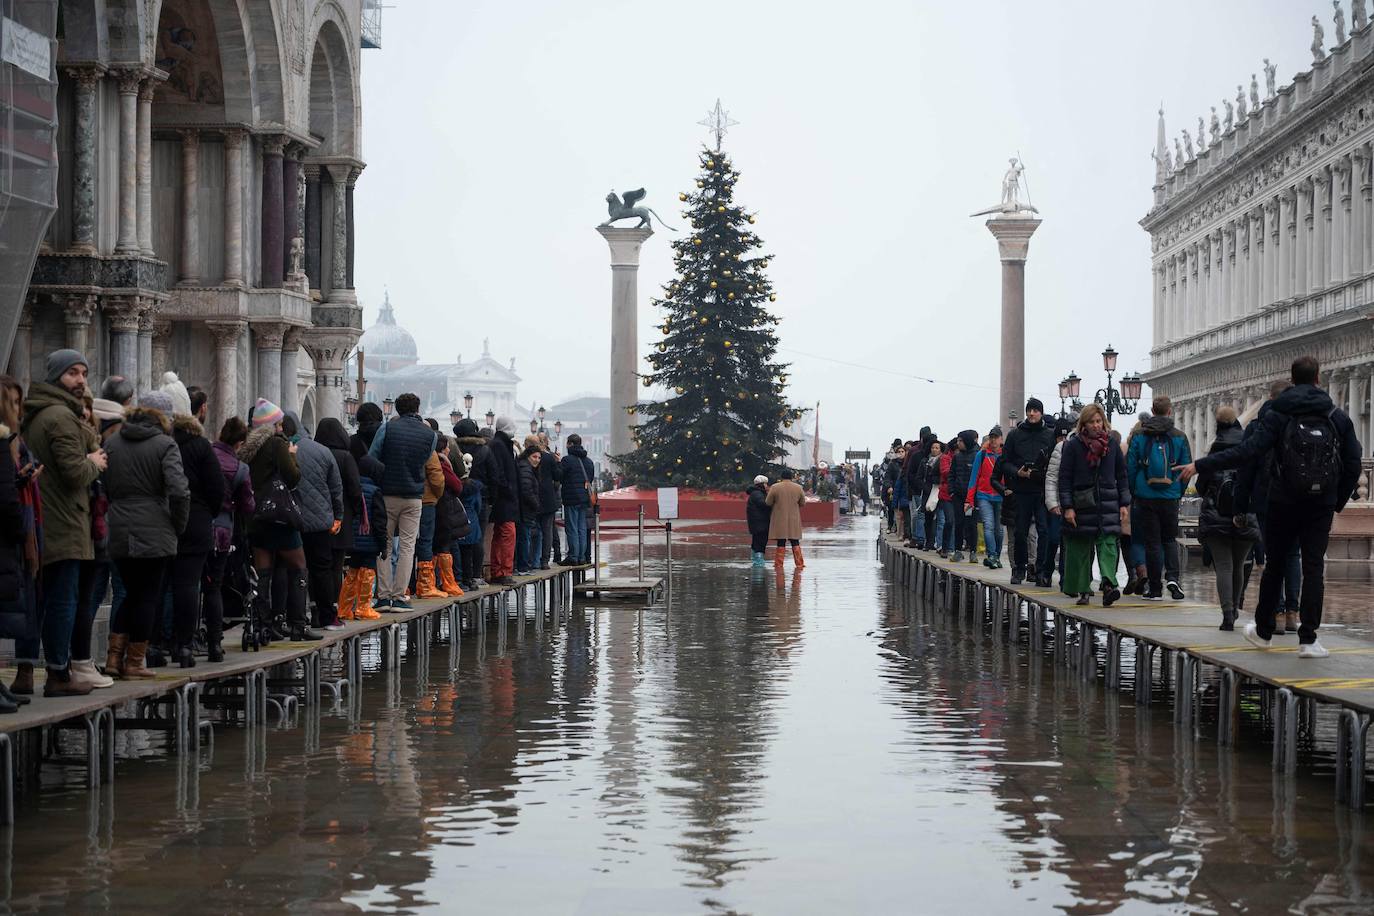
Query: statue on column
(1241, 109)
(1165, 165)
(1358, 18)
(1230, 115)
(1216, 127)
(1179, 161)
(1270, 73)
(1338, 17)
(1011, 192)
(1187, 145)
(1318, 41)
(1201, 135)
(1254, 93)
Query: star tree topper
(718, 122)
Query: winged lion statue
(626, 209)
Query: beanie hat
(157, 400)
(105, 409)
(970, 438)
(59, 361)
(265, 413)
(1034, 404)
(505, 425)
(181, 398)
(996, 430)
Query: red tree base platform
(720, 505)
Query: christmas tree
(724, 419)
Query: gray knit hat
(59, 361)
(158, 400)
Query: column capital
(269, 334)
(190, 137)
(312, 170)
(234, 137)
(146, 90)
(78, 309)
(329, 348)
(86, 76)
(1013, 236)
(292, 338)
(273, 144)
(147, 318)
(339, 172)
(122, 313)
(130, 81)
(226, 333)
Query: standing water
(795, 742)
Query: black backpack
(1307, 460)
(1223, 494)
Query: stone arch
(309, 410)
(204, 47)
(333, 107)
(268, 64)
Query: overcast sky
(868, 132)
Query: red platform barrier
(623, 504)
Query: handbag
(278, 507)
(933, 500)
(1085, 498)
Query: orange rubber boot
(797, 556)
(779, 554)
(424, 581)
(348, 595)
(443, 566)
(366, 579)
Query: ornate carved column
(21, 353)
(1324, 246)
(1185, 290)
(1343, 237)
(290, 368)
(76, 314)
(1171, 309)
(1369, 430)
(161, 343)
(127, 242)
(1158, 311)
(1288, 249)
(290, 177)
(338, 280)
(352, 182)
(1217, 270)
(189, 272)
(146, 316)
(1229, 282)
(1257, 261)
(1352, 396)
(1367, 214)
(121, 314)
(145, 167)
(269, 340)
(224, 396)
(1360, 216)
(312, 225)
(1243, 280)
(85, 80)
(1303, 256)
(329, 348)
(272, 213)
(1273, 209)
(233, 207)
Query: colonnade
(1297, 238)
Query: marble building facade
(208, 153)
(1262, 242)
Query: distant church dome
(387, 344)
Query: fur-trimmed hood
(186, 427)
(255, 441)
(144, 423)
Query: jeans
(990, 514)
(575, 528)
(1308, 526)
(1159, 528)
(527, 546)
(945, 525)
(65, 610)
(1030, 509)
(403, 521)
(424, 541)
(1228, 561)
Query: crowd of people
(123, 495)
(1064, 492)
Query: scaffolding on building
(372, 23)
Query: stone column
(161, 343)
(329, 349)
(312, 225)
(1369, 430)
(1171, 305)
(1302, 283)
(290, 352)
(1324, 245)
(127, 242)
(1214, 298)
(1367, 218)
(1255, 287)
(352, 238)
(21, 352)
(1343, 236)
(272, 214)
(269, 340)
(1290, 245)
(224, 396)
(233, 207)
(1360, 216)
(1273, 254)
(1229, 285)
(1157, 312)
(146, 317)
(189, 273)
(86, 80)
(145, 167)
(121, 314)
(338, 280)
(1013, 233)
(76, 315)
(625, 245)
(290, 177)
(1353, 407)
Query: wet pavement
(803, 743)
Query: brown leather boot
(134, 657)
(23, 680)
(797, 556)
(1291, 621)
(114, 655)
(60, 683)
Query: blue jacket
(472, 503)
(370, 476)
(577, 470)
(1138, 452)
(403, 446)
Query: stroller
(241, 582)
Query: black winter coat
(960, 467)
(1211, 523)
(484, 464)
(206, 481)
(550, 481)
(505, 501)
(1108, 480)
(577, 471)
(757, 511)
(16, 600)
(1028, 446)
(149, 497)
(330, 433)
(529, 490)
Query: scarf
(1096, 444)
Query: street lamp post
(467, 403)
(1115, 400)
(491, 418)
(1068, 391)
(558, 435)
(454, 416)
(388, 405)
(351, 408)
(541, 418)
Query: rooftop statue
(1338, 17)
(1201, 135)
(1216, 127)
(1318, 41)
(626, 209)
(1358, 18)
(1270, 72)
(1011, 189)
(1230, 114)
(1240, 102)
(1254, 93)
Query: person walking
(1227, 533)
(1024, 459)
(1094, 497)
(404, 447)
(150, 503)
(71, 460)
(1286, 620)
(577, 472)
(505, 499)
(1316, 467)
(1054, 557)
(330, 434)
(1156, 488)
(205, 481)
(785, 499)
(756, 516)
(984, 497)
(960, 473)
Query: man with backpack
(1024, 459)
(1151, 460)
(1314, 458)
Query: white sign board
(28, 50)
(667, 502)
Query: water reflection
(804, 742)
